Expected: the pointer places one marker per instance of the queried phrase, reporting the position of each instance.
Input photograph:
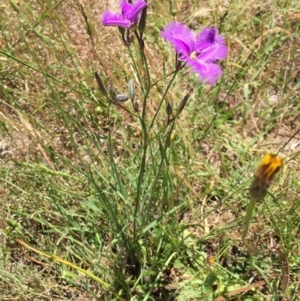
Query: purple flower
(199, 52)
(129, 16)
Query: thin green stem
(162, 100)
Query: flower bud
(136, 106)
(131, 89)
(100, 84)
(169, 109)
(142, 23)
(112, 93)
(121, 98)
(182, 104)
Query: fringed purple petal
(111, 19)
(136, 10)
(210, 46)
(181, 37)
(126, 9)
(207, 72)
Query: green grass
(100, 201)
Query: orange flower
(264, 174)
